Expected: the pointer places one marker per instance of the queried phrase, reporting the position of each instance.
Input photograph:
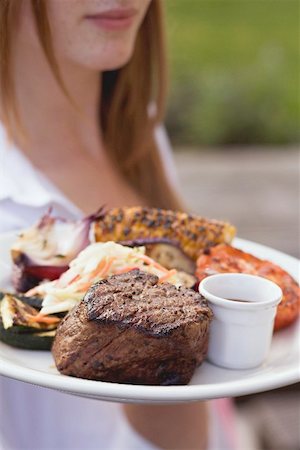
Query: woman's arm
(180, 427)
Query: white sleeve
(166, 154)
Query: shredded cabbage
(95, 262)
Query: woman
(79, 80)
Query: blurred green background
(234, 71)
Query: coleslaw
(96, 262)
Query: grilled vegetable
(45, 250)
(188, 232)
(171, 257)
(164, 251)
(22, 326)
(29, 341)
(23, 318)
(35, 302)
(224, 258)
(26, 275)
(188, 280)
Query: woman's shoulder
(25, 194)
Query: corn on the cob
(190, 232)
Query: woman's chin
(115, 65)
(108, 60)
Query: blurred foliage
(234, 71)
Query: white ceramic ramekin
(241, 331)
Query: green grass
(234, 71)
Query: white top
(37, 418)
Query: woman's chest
(90, 183)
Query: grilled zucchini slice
(19, 330)
(29, 341)
(35, 302)
(17, 316)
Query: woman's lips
(114, 19)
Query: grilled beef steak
(131, 329)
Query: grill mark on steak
(137, 299)
(130, 329)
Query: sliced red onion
(45, 250)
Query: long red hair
(127, 127)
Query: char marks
(137, 299)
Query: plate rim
(152, 393)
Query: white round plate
(209, 381)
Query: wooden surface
(256, 189)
